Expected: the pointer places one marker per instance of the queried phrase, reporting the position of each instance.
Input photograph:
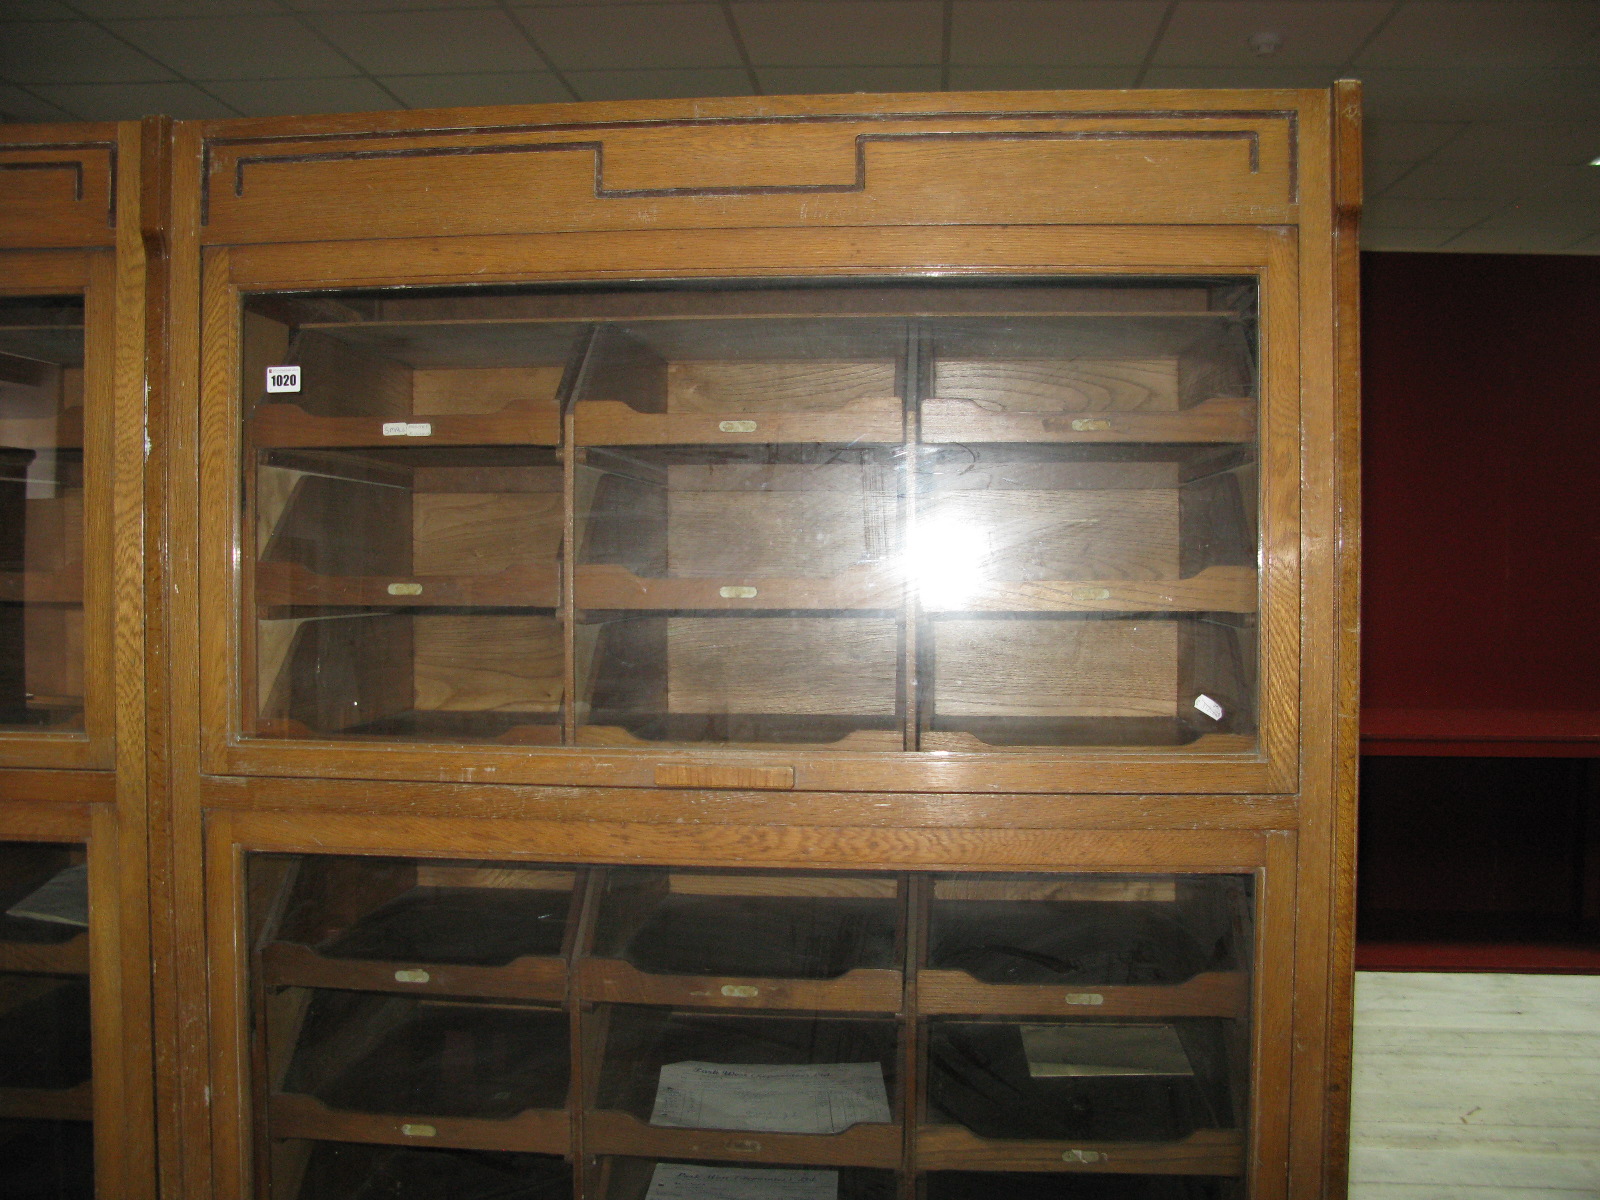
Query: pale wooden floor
(1476, 1086)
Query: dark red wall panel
(1481, 393)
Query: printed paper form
(63, 900)
(1104, 1049)
(683, 1181)
(809, 1098)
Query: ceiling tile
(1043, 33)
(384, 5)
(1480, 180)
(106, 9)
(1574, 142)
(1378, 175)
(659, 85)
(1285, 76)
(1487, 33)
(418, 43)
(852, 33)
(238, 47)
(37, 10)
(71, 52)
(979, 79)
(1408, 141)
(19, 105)
(1216, 33)
(1429, 214)
(1542, 239)
(1484, 94)
(1405, 239)
(130, 101)
(450, 91)
(812, 81)
(632, 36)
(289, 97)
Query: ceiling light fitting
(1266, 43)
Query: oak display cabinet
(780, 647)
(75, 1047)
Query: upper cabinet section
(995, 158)
(41, 514)
(998, 516)
(57, 185)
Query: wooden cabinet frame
(119, 958)
(73, 213)
(1264, 255)
(232, 835)
(1265, 184)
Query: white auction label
(283, 379)
(407, 429)
(1208, 706)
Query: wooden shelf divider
(285, 583)
(872, 420)
(941, 1147)
(289, 425)
(607, 586)
(957, 993)
(537, 1131)
(1223, 420)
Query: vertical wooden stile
(917, 891)
(911, 391)
(588, 889)
(572, 381)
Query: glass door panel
(739, 533)
(406, 508)
(1016, 516)
(46, 1093)
(866, 1034)
(41, 513)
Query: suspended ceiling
(1484, 115)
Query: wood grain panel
(1061, 535)
(841, 666)
(482, 663)
(1061, 385)
(476, 391)
(57, 185)
(775, 387)
(815, 534)
(1065, 668)
(1023, 166)
(484, 533)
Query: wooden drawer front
(1029, 167)
(56, 185)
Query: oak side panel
(59, 183)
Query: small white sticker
(737, 426)
(407, 429)
(283, 379)
(740, 991)
(737, 593)
(1208, 706)
(412, 976)
(1085, 998)
(394, 429)
(405, 589)
(419, 1130)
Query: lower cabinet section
(429, 1028)
(46, 1087)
